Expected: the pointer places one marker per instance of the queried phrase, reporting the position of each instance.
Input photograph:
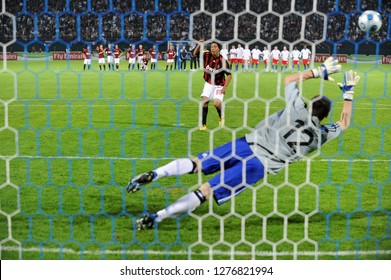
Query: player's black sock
(204, 114)
(218, 112)
(100, 67)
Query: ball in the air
(370, 21)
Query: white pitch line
(206, 253)
(69, 104)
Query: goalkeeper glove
(330, 66)
(350, 80)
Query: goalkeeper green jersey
(290, 134)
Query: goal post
(71, 138)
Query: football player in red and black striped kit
(217, 76)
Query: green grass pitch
(74, 139)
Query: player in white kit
(306, 55)
(232, 56)
(284, 59)
(246, 58)
(295, 55)
(266, 58)
(255, 54)
(239, 57)
(224, 52)
(276, 54)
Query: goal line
(204, 253)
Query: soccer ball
(370, 21)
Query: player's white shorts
(212, 92)
(132, 60)
(116, 60)
(110, 59)
(87, 61)
(153, 60)
(140, 59)
(101, 61)
(170, 60)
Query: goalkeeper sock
(176, 167)
(187, 203)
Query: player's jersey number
(294, 144)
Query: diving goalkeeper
(281, 139)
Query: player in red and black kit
(132, 53)
(153, 55)
(101, 57)
(217, 76)
(171, 54)
(144, 66)
(110, 59)
(117, 53)
(140, 56)
(87, 57)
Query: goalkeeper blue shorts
(239, 167)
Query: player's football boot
(140, 180)
(221, 122)
(202, 127)
(146, 222)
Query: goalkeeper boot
(221, 122)
(140, 180)
(146, 222)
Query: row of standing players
(140, 56)
(236, 56)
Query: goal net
(72, 135)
